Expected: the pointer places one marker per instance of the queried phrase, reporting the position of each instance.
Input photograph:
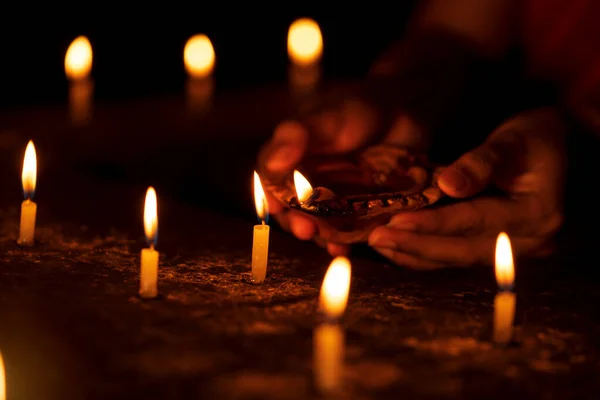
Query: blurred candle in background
(199, 61)
(305, 48)
(328, 337)
(78, 67)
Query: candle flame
(336, 285)
(2, 380)
(29, 174)
(505, 267)
(199, 56)
(303, 188)
(151, 216)
(78, 60)
(260, 199)
(305, 42)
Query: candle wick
(263, 221)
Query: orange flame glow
(305, 42)
(199, 56)
(336, 285)
(151, 216)
(303, 188)
(260, 199)
(505, 267)
(29, 174)
(78, 60)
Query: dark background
(140, 54)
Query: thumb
(473, 171)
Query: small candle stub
(260, 239)
(149, 257)
(28, 207)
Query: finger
(343, 128)
(406, 133)
(474, 217)
(335, 249)
(302, 226)
(455, 251)
(407, 260)
(275, 206)
(473, 171)
(286, 148)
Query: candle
(78, 65)
(199, 62)
(329, 335)
(260, 240)
(2, 379)
(303, 187)
(305, 48)
(28, 207)
(149, 271)
(505, 301)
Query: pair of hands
(524, 158)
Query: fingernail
(280, 159)
(455, 179)
(378, 239)
(401, 223)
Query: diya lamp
(505, 301)
(28, 207)
(78, 66)
(260, 239)
(305, 48)
(199, 62)
(328, 336)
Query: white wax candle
(260, 252)
(2, 380)
(504, 315)
(199, 95)
(28, 214)
(328, 342)
(149, 273)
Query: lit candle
(149, 271)
(260, 241)
(329, 336)
(305, 48)
(199, 62)
(78, 66)
(303, 187)
(505, 301)
(2, 379)
(28, 207)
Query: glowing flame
(336, 285)
(78, 60)
(2, 380)
(199, 56)
(303, 187)
(260, 200)
(29, 174)
(505, 267)
(305, 42)
(151, 216)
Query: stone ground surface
(72, 326)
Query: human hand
(338, 127)
(525, 159)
